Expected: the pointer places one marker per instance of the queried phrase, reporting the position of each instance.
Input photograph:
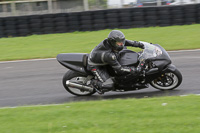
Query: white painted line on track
(192, 50)
(183, 95)
(32, 106)
(63, 104)
(16, 61)
(189, 94)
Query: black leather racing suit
(102, 55)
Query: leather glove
(133, 71)
(134, 44)
(139, 69)
(141, 45)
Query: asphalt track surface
(38, 82)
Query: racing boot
(97, 85)
(102, 87)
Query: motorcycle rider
(106, 53)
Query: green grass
(45, 46)
(149, 115)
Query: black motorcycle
(157, 71)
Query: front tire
(77, 78)
(167, 81)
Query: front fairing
(150, 51)
(163, 60)
(156, 54)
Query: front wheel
(167, 81)
(76, 78)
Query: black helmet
(114, 37)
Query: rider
(106, 53)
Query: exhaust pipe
(79, 86)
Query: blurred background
(31, 7)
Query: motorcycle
(157, 70)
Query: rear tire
(75, 77)
(168, 81)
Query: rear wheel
(76, 78)
(168, 81)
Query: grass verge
(46, 46)
(150, 115)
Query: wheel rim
(166, 82)
(80, 80)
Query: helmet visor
(120, 42)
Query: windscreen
(150, 51)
